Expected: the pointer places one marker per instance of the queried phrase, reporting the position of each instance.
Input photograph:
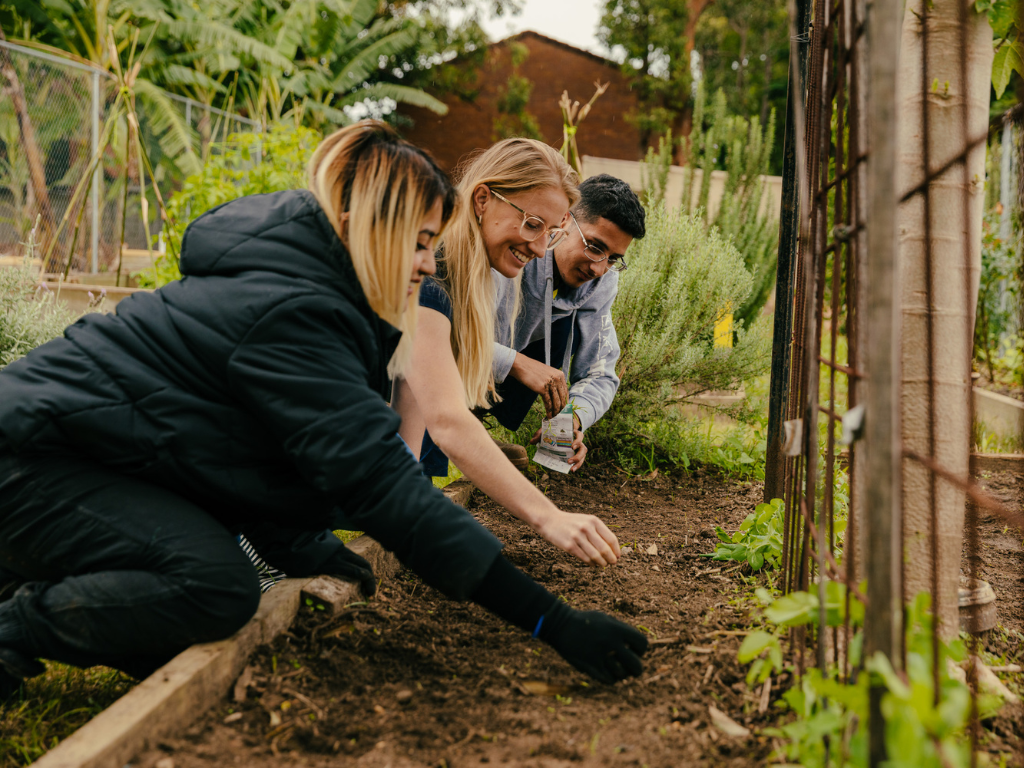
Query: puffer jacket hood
(256, 233)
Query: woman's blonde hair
(386, 186)
(510, 166)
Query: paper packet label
(555, 446)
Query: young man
(564, 347)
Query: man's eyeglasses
(533, 227)
(597, 254)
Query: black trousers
(116, 571)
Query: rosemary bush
(682, 276)
(30, 314)
(742, 148)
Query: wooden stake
(883, 513)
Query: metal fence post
(789, 229)
(95, 202)
(883, 626)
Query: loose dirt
(412, 679)
(1002, 556)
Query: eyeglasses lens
(555, 236)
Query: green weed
(758, 542)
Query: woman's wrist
(542, 516)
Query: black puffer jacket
(254, 387)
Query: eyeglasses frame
(555, 234)
(616, 266)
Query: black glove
(348, 565)
(593, 642)
(301, 552)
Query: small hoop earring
(479, 219)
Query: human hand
(594, 643)
(579, 450)
(583, 536)
(546, 381)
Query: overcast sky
(571, 21)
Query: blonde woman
(250, 392)
(515, 199)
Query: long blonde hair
(386, 186)
(510, 166)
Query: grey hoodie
(591, 377)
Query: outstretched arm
(438, 402)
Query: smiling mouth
(520, 256)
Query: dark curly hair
(605, 197)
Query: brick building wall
(552, 67)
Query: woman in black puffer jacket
(247, 397)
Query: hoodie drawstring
(549, 287)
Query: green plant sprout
(758, 542)
(828, 716)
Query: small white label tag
(555, 445)
(793, 444)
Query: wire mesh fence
(877, 329)
(53, 126)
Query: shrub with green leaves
(998, 343)
(758, 542)
(247, 164)
(682, 277)
(742, 148)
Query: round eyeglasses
(533, 227)
(596, 253)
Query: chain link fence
(53, 120)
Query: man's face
(575, 264)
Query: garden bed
(471, 680)
(414, 679)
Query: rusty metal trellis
(831, 231)
(825, 364)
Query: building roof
(559, 44)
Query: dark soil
(413, 679)
(1002, 557)
(468, 677)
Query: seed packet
(555, 446)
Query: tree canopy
(313, 60)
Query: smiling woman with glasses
(516, 198)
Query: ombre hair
(508, 167)
(387, 187)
